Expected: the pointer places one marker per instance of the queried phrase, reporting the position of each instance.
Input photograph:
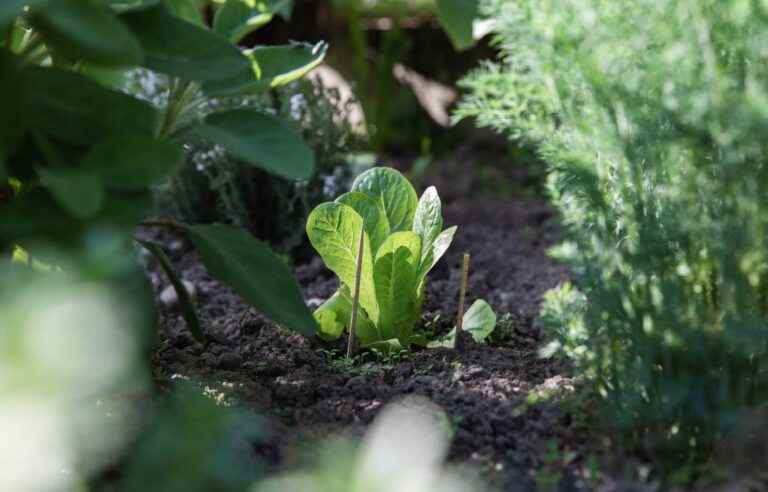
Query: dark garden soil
(509, 406)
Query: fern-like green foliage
(651, 116)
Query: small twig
(356, 295)
(459, 342)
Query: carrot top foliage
(650, 116)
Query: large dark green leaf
(81, 111)
(271, 66)
(254, 272)
(262, 140)
(457, 18)
(14, 92)
(36, 216)
(83, 30)
(189, 10)
(132, 163)
(9, 9)
(179, 48)
(185, 300)
(79, 192)
(124, 209)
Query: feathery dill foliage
(652, 118)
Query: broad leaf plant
(78, 155)
(403, 239)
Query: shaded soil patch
(502, 399)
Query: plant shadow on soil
(503, 400)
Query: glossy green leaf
(133, 162)
(334, 231)
(185, 300)
(395, 278)
(479, 320)
(82, 30)
(125, 209)
(77, 109)
(111, 78)
(271, 66)
(254, 272)
(335, 314)
(236, 19)
(261, 140)
(189, 10)
(393, 345)
(439, 247)
(457, 18)
(393, 191)
(428, 219)
(376, 224)
(79, 192)
(122, 6)
(280, 65)
(179, 48)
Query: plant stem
(356, 296)
(459, 344)
(179, 95)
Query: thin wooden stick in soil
(356, 295)
(459, 341)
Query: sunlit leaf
(390, 188)
(271, 66)
(334, 231)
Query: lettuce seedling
(403, 238)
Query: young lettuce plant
(403, 239)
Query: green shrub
(651, 116)
(214, 186)
(79, 158)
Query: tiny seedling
(384, 235)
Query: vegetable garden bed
(503, 400)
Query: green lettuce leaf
(393, 191)
(438, 248)
(334, 231)
(334, 315)
(376, 223)
(428, 219)
(395, 276)
(479, 321)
